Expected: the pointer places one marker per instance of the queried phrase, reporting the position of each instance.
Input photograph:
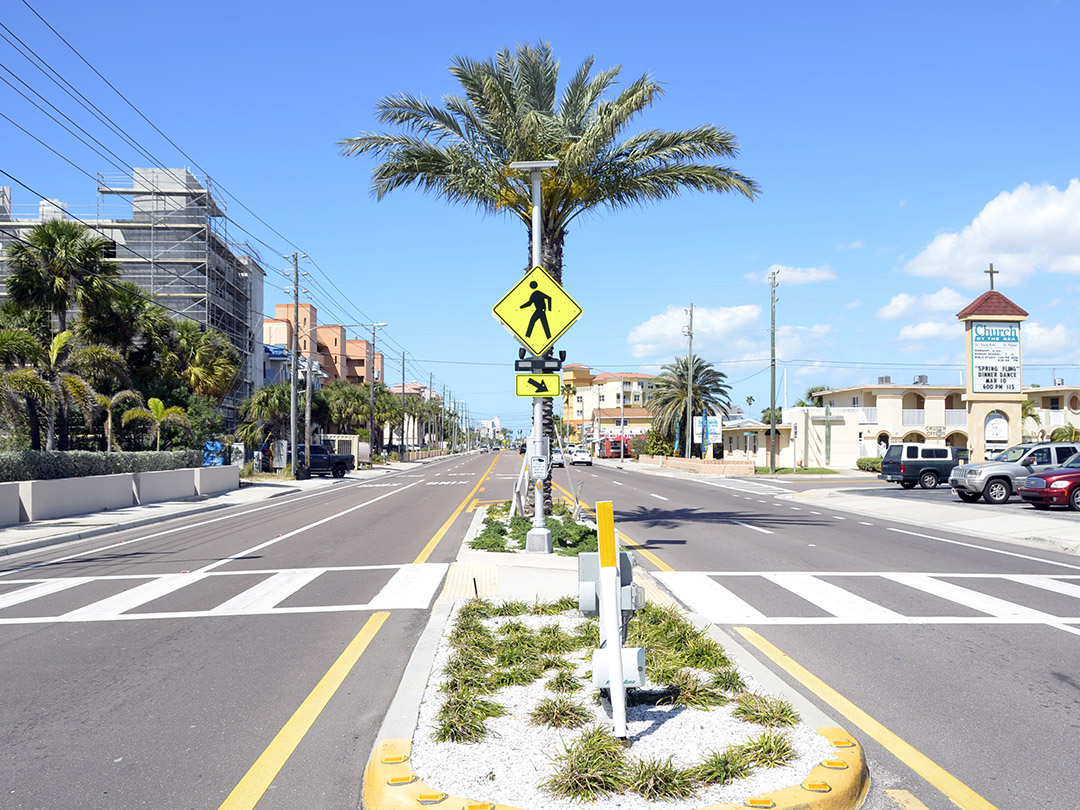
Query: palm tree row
(109, 373)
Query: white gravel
(511, 764)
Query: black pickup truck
(323, 462)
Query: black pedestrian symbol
(542, 303)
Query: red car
(1060, 487)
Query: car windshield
(1073, 463)
(1013, 454)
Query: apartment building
(326, 346)
(606, 392)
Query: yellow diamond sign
(537, 311)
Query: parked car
(522, 448)
(579, 455)
(557, 459)
(908, 463)
(1060, 487)
(484, 448)
(995, 481)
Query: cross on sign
(991, 272)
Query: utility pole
(690, 385)
(427, 411)
(442, 418)
(772, 373)
(403, 444)
(622, 421)
(370, 374)
(307, 403)
(295, 347)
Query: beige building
(327, 346)
(604, 392)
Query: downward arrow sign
(540, 386)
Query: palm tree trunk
(62, 438)
(50, 434)
(34, 420)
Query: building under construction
(171, 238)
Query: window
(935, 452)
(601, 397)
(855, 402)
(911, 451)
(637, 397)
(579, 399)
(1040, 455)
(1064, 453)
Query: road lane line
(661, 497)
(259, 777)
(708, 597)
(832, 598)
(617, 483)
(960, 794)
(131, 598)
(39, 590)
(748, 526)
(302, 529)
(986, 548)
(434, 541)
(270, 591)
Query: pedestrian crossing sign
(537, 311)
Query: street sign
(537, 311)
(537, 385)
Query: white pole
(538, 538)
(610, 614)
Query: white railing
(867, 416)
(914, 418)
(956, 417)
(1053, 419)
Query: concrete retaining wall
(9, 503)
(41, 500)
(209, 480)
(164, 485)
(715, 466)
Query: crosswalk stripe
(269, 592)
(412, 586)
(708, 597)
(41, 589)
(1046, 583)
(133, 597)
(975, 600)
(832, 598)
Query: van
(911, 463)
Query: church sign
(995, 357)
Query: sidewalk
(41, 533)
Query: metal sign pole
(610, 613)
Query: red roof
(991, 303)
(630, 375)
(608, 413)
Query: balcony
(955, 417)
(914, 418)
(1052, 419)
(867, 416)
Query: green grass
(771, 749)
(593, 765)
(560, 712)
(796, 471)
(660, 780)
(724, 767)
(563, 681)
(729, 680)
(765, 710)
(462, 717)
(689, 691)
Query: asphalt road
(966, 649)
(164, 667)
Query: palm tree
(126, 397)
(266, 410)
(1068, 433)
(157, 416)
(59, 264)
(812, 398)
(21, 389)
(348, 404)
(569, 391)
(72, 373)
(1029, 409)
(711, 394)
(205, 360)
(461, 151)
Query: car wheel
(1074, 499)
(968, 497)
(907, 484)
(339, 470)
(928, 480)
(997, 491)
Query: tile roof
(991, 302)
(630, 413)
(629, 375)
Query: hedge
(44, 465)
(869, 463)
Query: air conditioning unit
(1059, 380)
(884, 380)
(922, 379)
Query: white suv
(995, 481)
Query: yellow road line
(250, 789)
(955, 790)
(434, 541)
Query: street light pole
(295, 346)
(690, 386)
(539, 536)
(370, 374)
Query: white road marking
(976, 600)
(270, 592)
(812, 512)
(617, 483)
(864, 523)
(132, 598)
(661, 497)
(39, 590)
(708, 597)
(748, 526)
(832, 598)
(411, 587)
(837, 517)
(794, 509)
(1046, 583)
(987, 548)
(752, 487)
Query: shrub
(658, 445)
(869, 463)
(46, 465)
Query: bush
(657, 445)
(46, 465)
(870, 464)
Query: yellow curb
(838, 783)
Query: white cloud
(663, 334)
(932, 330)
(944, 300)
(858, 244)
(853, 304)
(794, 275)
(1029, 229)
(1046, 341)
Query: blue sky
(900, 148)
